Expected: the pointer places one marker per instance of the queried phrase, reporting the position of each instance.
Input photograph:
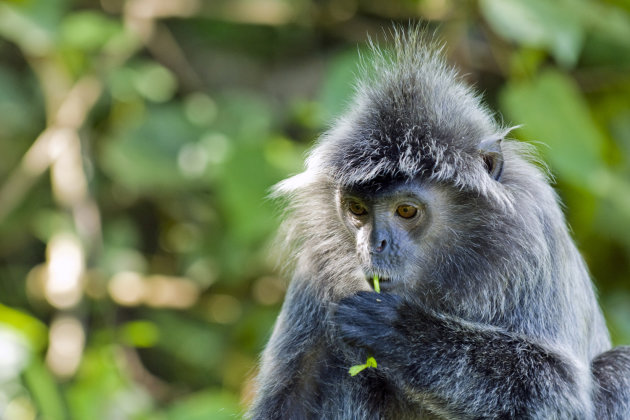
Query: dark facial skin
(391, 225)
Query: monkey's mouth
(384, 281)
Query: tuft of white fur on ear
(291, 185)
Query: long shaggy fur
(504, 322)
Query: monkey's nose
(381, 247)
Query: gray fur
(497, 318)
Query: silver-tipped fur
(498, 318)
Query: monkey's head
(415, 183)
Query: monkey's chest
(368, 395)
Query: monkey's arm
(611, 371)
(294, 343)
(462, 369)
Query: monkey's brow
(376, 185)
(394, 192)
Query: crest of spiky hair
(411, 116)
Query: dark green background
(147, 211)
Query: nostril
(382, 246)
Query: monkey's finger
(381, 308)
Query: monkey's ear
(492, 156)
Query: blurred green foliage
(139, 140)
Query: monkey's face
(394, 226)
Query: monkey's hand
(492, 369)
(369, 320)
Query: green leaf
(553, 112)
(552, 25)
(88, 30)
(140, 333)
(31, 328)
(377, 285)
(148, 157)
(103, 385)
(155, 82)
(216, 405)
(188, 343)
(339, 85)
(607, 21)
(17, 113)
(354, 370)
(618, 313)
(33, 25)
(369, 363)
(45, 391)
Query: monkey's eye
(406, 211)
(356, 208)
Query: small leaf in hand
(370, 362)
(377, 285)
(354, 370)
